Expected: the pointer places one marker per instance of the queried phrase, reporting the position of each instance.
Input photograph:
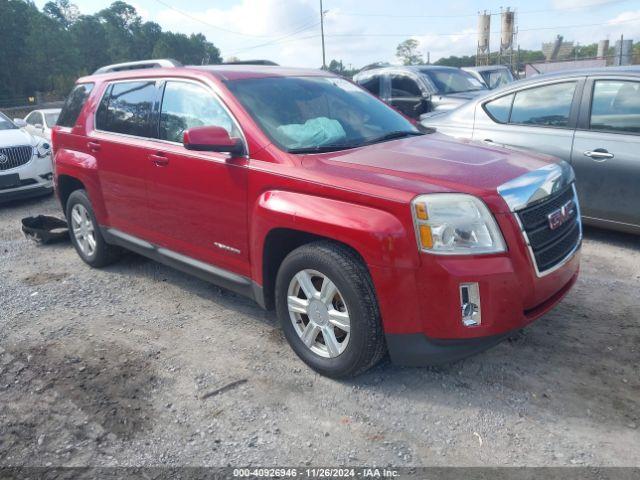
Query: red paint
(187, 200)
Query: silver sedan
(590, 118)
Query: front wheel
(328, 309)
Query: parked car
(302, 191)
(493, 76)
(589, 118)
(418, 90)
(39, 122)
(25, 163)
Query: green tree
(408, 52)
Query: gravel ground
(124, 366)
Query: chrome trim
(536, 185)
(569, 256)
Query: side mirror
(19, 122)
(212, 139)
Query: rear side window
(616, 106)
(126, 108)
(500, 108)
(548, 105)
(73, 105)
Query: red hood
(430, 163)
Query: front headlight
(455, 224)
(42, 149)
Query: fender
(82, 167)
(377, 235)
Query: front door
(406, 96)
(197, 200)
(606, 151)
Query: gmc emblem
(559, 217)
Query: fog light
(470, 304)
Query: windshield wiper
(322, 148)
(392, 136)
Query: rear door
(606, 150)
(122, 142)
(540, 118)
(197, 200)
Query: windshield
(307, 114)
(5, 123)
(51, 118)
(453, 81)
(497, 78)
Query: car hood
(443, 103)
(16, 137)
(429, 164)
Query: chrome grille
(549, 246)
(13, 157)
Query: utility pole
(324, 59)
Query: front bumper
(35, 177)
(417, 349)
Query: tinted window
(73, 105)
(372, 84)
(497, 78)
(186, 105)
(34, 118)
(616, 106)
(403, 86)
(453, 81)
(500, 108)
(310, 112)
(126, 108)
(548, 105)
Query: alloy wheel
(83, 230)
(319, 313)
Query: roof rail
(251, 62)
(156, 63)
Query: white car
(39, 122)
(25, 163)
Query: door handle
(488, 140)
(598, 155)
(159, 159)
(93, 146)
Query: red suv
(303, 191)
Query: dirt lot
(121, 367)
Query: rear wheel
(85, 232)
(328, 309)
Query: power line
(217, 27)
(520, 12)
(282, 39)
(557, 27)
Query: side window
(372, 84)
(34, 118)
(500, 108)
(73, 105)
(126, 108)
(186, 105)
(403, 86)
(616, 106)
(548, 105)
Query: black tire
(366, 345)
(104, 253)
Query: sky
(361, 32)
